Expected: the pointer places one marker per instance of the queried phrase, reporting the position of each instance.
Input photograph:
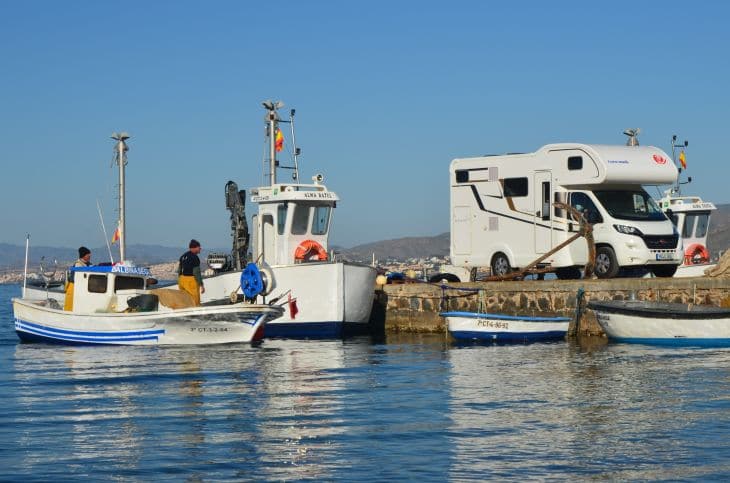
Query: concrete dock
(414, 307)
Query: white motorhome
(502, 213)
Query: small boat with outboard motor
(117, 304)
(495, 327)
(653, 322)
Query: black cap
(83, 251)
(193, 243)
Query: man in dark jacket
(189, 278)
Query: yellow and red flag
(279, 140)
(117, 234)
(683, 160)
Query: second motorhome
(503, 217)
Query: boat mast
(677, 188)
(120, 157)
(272, 122)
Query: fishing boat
(291, 239)
(116, 304)
(649, 322)
(504, 328)
(691, 217)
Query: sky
(387, 94)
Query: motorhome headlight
(628, 230)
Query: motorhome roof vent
(633, 135)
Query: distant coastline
(161, 271)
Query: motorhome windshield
(630, 205)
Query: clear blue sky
(387, 93)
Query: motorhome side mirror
(689, 179)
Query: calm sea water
(406, 407)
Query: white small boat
(113, 304)
(647, 322)
(504, 328)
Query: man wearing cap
(189, 278)
(83, 261)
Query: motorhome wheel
(500, 264)
(606, 263)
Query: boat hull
(663, 323)
(332, 299)
(198, 325)
(504, 328)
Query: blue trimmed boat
(504, 328)
(663, 323)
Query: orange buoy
(308, 249)
(696, 254)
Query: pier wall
(415, 307)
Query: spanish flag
(682, 160)
(279, 140)
(117, 234)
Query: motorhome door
(543, 217)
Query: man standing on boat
(189, 278)
(83, 261)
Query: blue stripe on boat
(315, 330)
(37, 337)
(476, 315)
(675, 341)
(508, 336)
(90, 334)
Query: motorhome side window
(462, 176)
(281, 218)
(300, 222)
(515, 187)
(320, 220)
(575, 162)
(97, 283)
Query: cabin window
(515, 187)
(689, 226)
(701, 228)
(128, 283)
(97, 284)
(462, 176)
(281, 218)
(300, 221)
(575, 163)
(321, 220)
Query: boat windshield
(634, 205)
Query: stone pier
(415, 307)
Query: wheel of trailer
(568, 273)
(444, 277)
(664, 270)
(606, 263)
(500, 264)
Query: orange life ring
(696, 254)
(309, 248)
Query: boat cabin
(107, 288)
(293, 222)
(691, 217)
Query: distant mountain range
(12, 256)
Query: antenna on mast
(120, 158)
(633, 135)
(272, 123)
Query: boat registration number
(665, 256)
(208, 330)
(492, 324)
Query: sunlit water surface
(402, 407)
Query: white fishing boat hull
(35, 321)
(331, 298)
(693, 270)
(663, 323)
(504, 328)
